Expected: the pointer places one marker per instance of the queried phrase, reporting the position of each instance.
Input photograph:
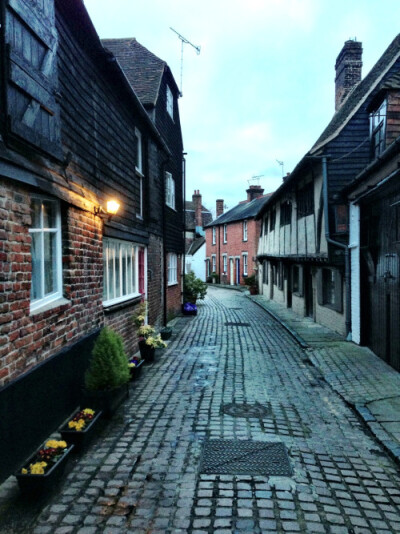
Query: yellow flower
(88, 411)
(54, 444)
(77, 425)
(37, 468)
(24, 471)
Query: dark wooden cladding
(380, 274)
(170, 129)
(32, 109)
(98, 128)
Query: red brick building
(232, 239)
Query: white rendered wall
(355, 272)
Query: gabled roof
(359, 94)
(195, 245)
(143, 69)
(244, 210)
(190, 222)
(374, 81)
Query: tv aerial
(255, 178)
(184, 41)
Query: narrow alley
(231, 430)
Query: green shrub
(193, 287)
(108, 366)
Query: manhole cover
(232, 457)
(237, 324)
(247, 411)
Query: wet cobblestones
(142, 474)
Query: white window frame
(139, 171)
(139, 152)
(225, 263)
(45, 299)
(225, 233)
(213, 263)
(244, 230)
(214, 235)
(169, 190)
(245, 264)
(170, 102)
(172, 269)
(113, 248)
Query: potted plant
(44, 468)
(166, 332)
(148, 346)
(108, 374)
(193, 288)
(215, 278)
(251, 283)
(80, 428)
(135, 367)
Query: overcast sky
(262, 88)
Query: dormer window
(378, 130)
(170, 102)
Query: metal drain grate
(232, 457)
(246, 410)
(237, 324)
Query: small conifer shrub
(108, 367)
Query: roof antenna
(255, 178)
(281, 164)
(184, 41)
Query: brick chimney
(254, 191)
(348, 70)
(198, 219)
(220, 207)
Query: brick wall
(234, 247)
(155, 273)
(27, 339)
(174, 298)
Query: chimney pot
(348, 70)
(254, 191)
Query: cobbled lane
(231, 373)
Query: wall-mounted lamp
(112, 208)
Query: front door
(237, 271)
(380, 277)
(231, 272)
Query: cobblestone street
(232, 373)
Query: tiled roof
(195, 245)
(359, 94)
(244, 210)
(190, 223)
(142, 68)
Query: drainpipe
(337, 244)
(183, 268)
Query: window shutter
(31, 39)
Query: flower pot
(253, 290)
(107, 401)
(166, 333)
(80, 438)
(33, 485)
(146, 352)
(135, 371)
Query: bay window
(120, 268)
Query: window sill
(51, 305)
(170, 284)
(110, 308)
(171, 207)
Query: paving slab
(229, 384)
